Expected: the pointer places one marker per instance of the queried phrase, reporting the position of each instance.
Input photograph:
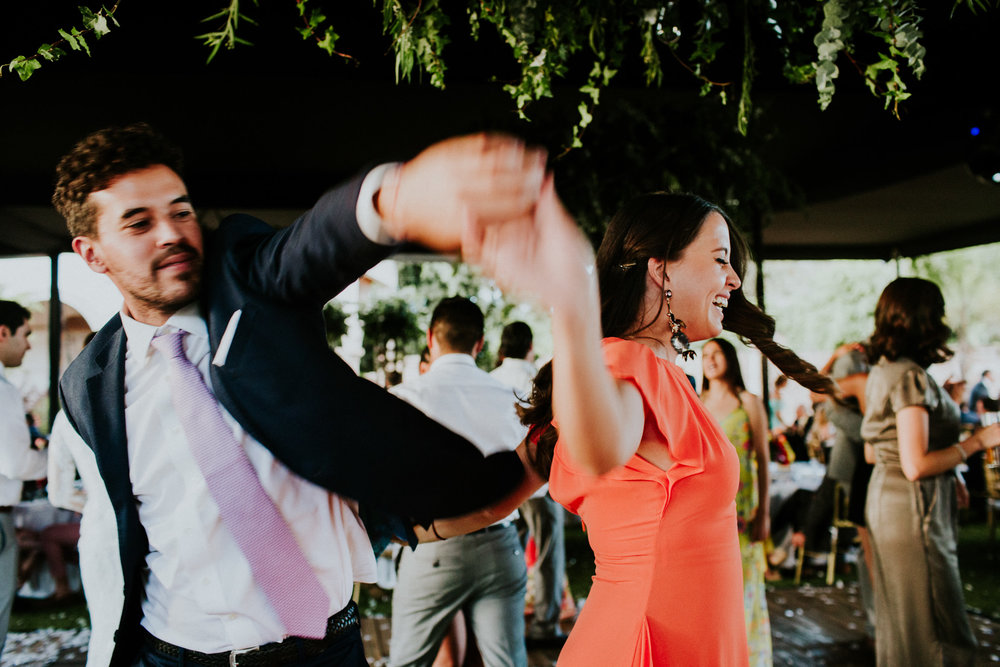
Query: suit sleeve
(315, 258)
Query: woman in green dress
(911, 430)
(744, 422)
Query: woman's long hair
(909, 322)
(732, 376)
(662, 225)
(537, 416)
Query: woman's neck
(718, 388)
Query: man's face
(13, 344)
(148, 242)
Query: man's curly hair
(98, 160)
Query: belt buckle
(234, 655)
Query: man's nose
(168, 231)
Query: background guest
(911, 428)
(744, 421)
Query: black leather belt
(6, 509)
(289, 651)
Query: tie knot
(170, 344)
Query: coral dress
(668, 588)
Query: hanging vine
(591, 41)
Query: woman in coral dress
(744, 421)
(637, 455)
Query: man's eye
(138, 224)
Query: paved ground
(810, 626)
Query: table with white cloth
(785, 481)
(36, 515)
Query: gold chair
(840, 500)
(991, 470)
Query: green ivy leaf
(24, 66)
(50, 53)
(70, 39)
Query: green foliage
(588, 42)
(335, 320)
(315, 27)
(93, 23)
(226, 34)
(418, 38)
(828, 46)
(391, 331)
(966, 278)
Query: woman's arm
(445, 528)
(759, 443)
(913, 432)
(853, 386)
(600, 418)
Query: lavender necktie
(277, 562)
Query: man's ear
(478, 347)
(5, 332)
(86, 248)
(430, 340)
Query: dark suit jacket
(286, 388)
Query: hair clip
(625, 266)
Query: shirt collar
(454, 358)
(140, 335)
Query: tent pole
(55, 337)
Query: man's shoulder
(95, 354)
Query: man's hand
(492, 178)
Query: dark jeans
(348, 651)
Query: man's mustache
(179, 249)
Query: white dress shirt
(519, 374)
(200, 592)
(63, 488)
(18, 459)
(469, 401)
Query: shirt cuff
(369, 220)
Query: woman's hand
(989, 437)
(544, 256)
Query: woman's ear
(657, 273)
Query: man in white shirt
(18, 459)
(543, 517)
(245, 303)
(482, 573)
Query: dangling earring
(678, 339)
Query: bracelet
(958, 446)
(438, 535)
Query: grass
(979, 560)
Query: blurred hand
(962, 495)
(989, 437)
(760, 527)
(490, 177)
(544, 256)
(798, 540)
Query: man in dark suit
(245, 303)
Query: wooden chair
(840, 499)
